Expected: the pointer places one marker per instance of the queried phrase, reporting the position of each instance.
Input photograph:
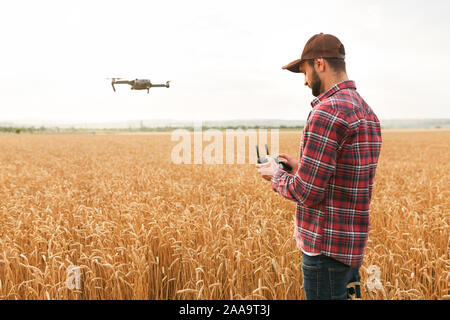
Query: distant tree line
(23, 129)
(18, 130)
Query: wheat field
(138, 226)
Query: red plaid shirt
(339, 152)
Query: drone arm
(161, 85)
(123, 82)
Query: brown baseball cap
(319, 46)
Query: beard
(316, 83)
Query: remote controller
(281, 164)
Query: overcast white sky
(224, 57)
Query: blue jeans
(325, 278)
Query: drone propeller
(112, 82)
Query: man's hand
(267, 169)
(290, 161)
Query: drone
(137, 84)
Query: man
(333, 179)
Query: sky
(224, 58)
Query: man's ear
(319, 64)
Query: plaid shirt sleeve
(323, 136)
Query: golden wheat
(140, 227)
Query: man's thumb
(285, 156)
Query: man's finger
(285, 156)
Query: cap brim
(294, 66)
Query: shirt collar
(347, 84)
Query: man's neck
(335, 79)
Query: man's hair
(337, 64)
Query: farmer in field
(333, 179)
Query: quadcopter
(137, 84)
